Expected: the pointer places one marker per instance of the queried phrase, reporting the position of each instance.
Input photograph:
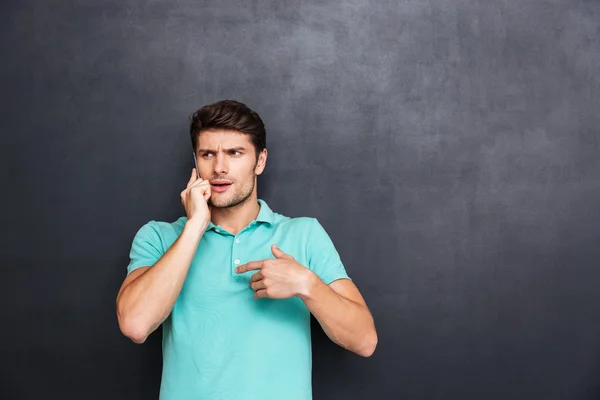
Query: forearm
(347, 323)
(148, 300)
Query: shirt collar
(265, 214)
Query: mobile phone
(196, 165)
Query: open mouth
(220, 186)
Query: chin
(218, 203)
(221, 202)
(228, 201)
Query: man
(234, 283)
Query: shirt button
(237, 240)
(237, 261)
(217, 230)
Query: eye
(207, 154)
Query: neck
(234, 219)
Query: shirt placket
(237, 251)
(236, 256)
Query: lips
(220, 185)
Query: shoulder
(162, 233)
(279, 220)
(309, 228)
(298, 223)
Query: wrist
(196, 225)
(309, 285)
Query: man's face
(228, 160)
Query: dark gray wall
(450, 148)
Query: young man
(234, 283)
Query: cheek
(243, 169)
(205, 169)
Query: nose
(220, 164)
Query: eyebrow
(238, 148)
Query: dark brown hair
(229, 114)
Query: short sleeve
(146, 248)
(323, 258)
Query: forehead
(223, 138)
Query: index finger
(192, 178)
(252, 265)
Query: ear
(261, 162)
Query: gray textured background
(450, 148)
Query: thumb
(278, 253)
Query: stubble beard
(238, 198)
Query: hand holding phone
(195, 198)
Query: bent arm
(148, 294)
(342, 313)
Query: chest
(213, 284)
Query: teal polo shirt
(221, 343)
